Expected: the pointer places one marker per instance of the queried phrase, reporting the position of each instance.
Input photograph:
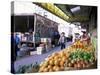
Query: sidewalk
(37, 58)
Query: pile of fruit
(81, 56)
(80, 59)
(77, 56)
(81, 45)
(78, 44)
(55, 62)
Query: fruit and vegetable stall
(75, 57)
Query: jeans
(62, 45)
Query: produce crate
(40, 50)
(33, 52)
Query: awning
(54, 9)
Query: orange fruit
(46, 63)
(45, 70)
(62, 68)
(57, 68)
(64, 58)
(54, 68)
(41, 69)
(61, 63)
(49, 66)
(50, 70)
(51, 62)
(56, 57)
(56, 62)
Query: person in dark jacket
(15, 40)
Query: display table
(27, 42)
(26, 47)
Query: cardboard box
(33, 52)
(40, 50)
(44, 40)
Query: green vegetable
(79, 54)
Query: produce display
(55, 62)
(77, 56)
(80, 59)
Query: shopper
(62, 40)
(56, 37)
(85, 37)
(31, 36)
(17, 43)
(15, 40)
